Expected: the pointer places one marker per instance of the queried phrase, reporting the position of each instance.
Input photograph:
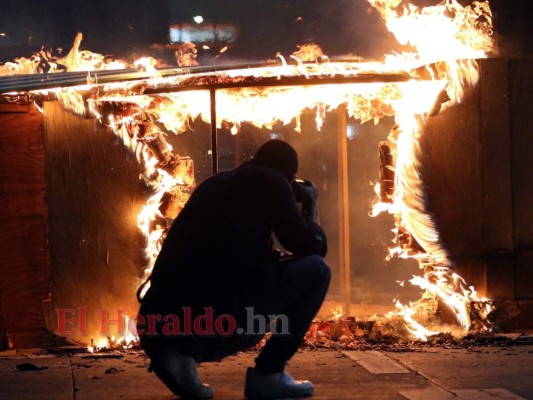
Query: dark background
(127, 28)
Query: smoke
(359, 30)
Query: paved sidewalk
(434, 374)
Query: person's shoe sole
(252, 391)
(168, 379)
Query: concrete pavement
(477, 373)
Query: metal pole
(344, 212)
(214, 148)
(220, 82)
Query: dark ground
(433, 373)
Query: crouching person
(218, 285)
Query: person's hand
(305, 192)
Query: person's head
(278, 155)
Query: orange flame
(308, 52)
(451, 36)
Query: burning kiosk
(141, 111)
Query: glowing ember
(127, 341)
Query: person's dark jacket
(218, 249)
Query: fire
(451, 37)
(128, 340)
(443, 40)
(445, 32)
(447, 37)
(308, 52)
(186, 55)
(76, 60)
(146, 63)
(160, 168)
(337, 313)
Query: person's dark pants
(297, 289)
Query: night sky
(129, 27)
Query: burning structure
(447, 114)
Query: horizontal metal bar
(68, 79)
(283, 81)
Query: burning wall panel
(453, 157)
(94, 195)
(477, 156)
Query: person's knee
(320, 267)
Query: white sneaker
(274, 386)
(178, 372)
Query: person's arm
(297, 231)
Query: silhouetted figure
(218, 263)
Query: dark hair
(278, 155)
